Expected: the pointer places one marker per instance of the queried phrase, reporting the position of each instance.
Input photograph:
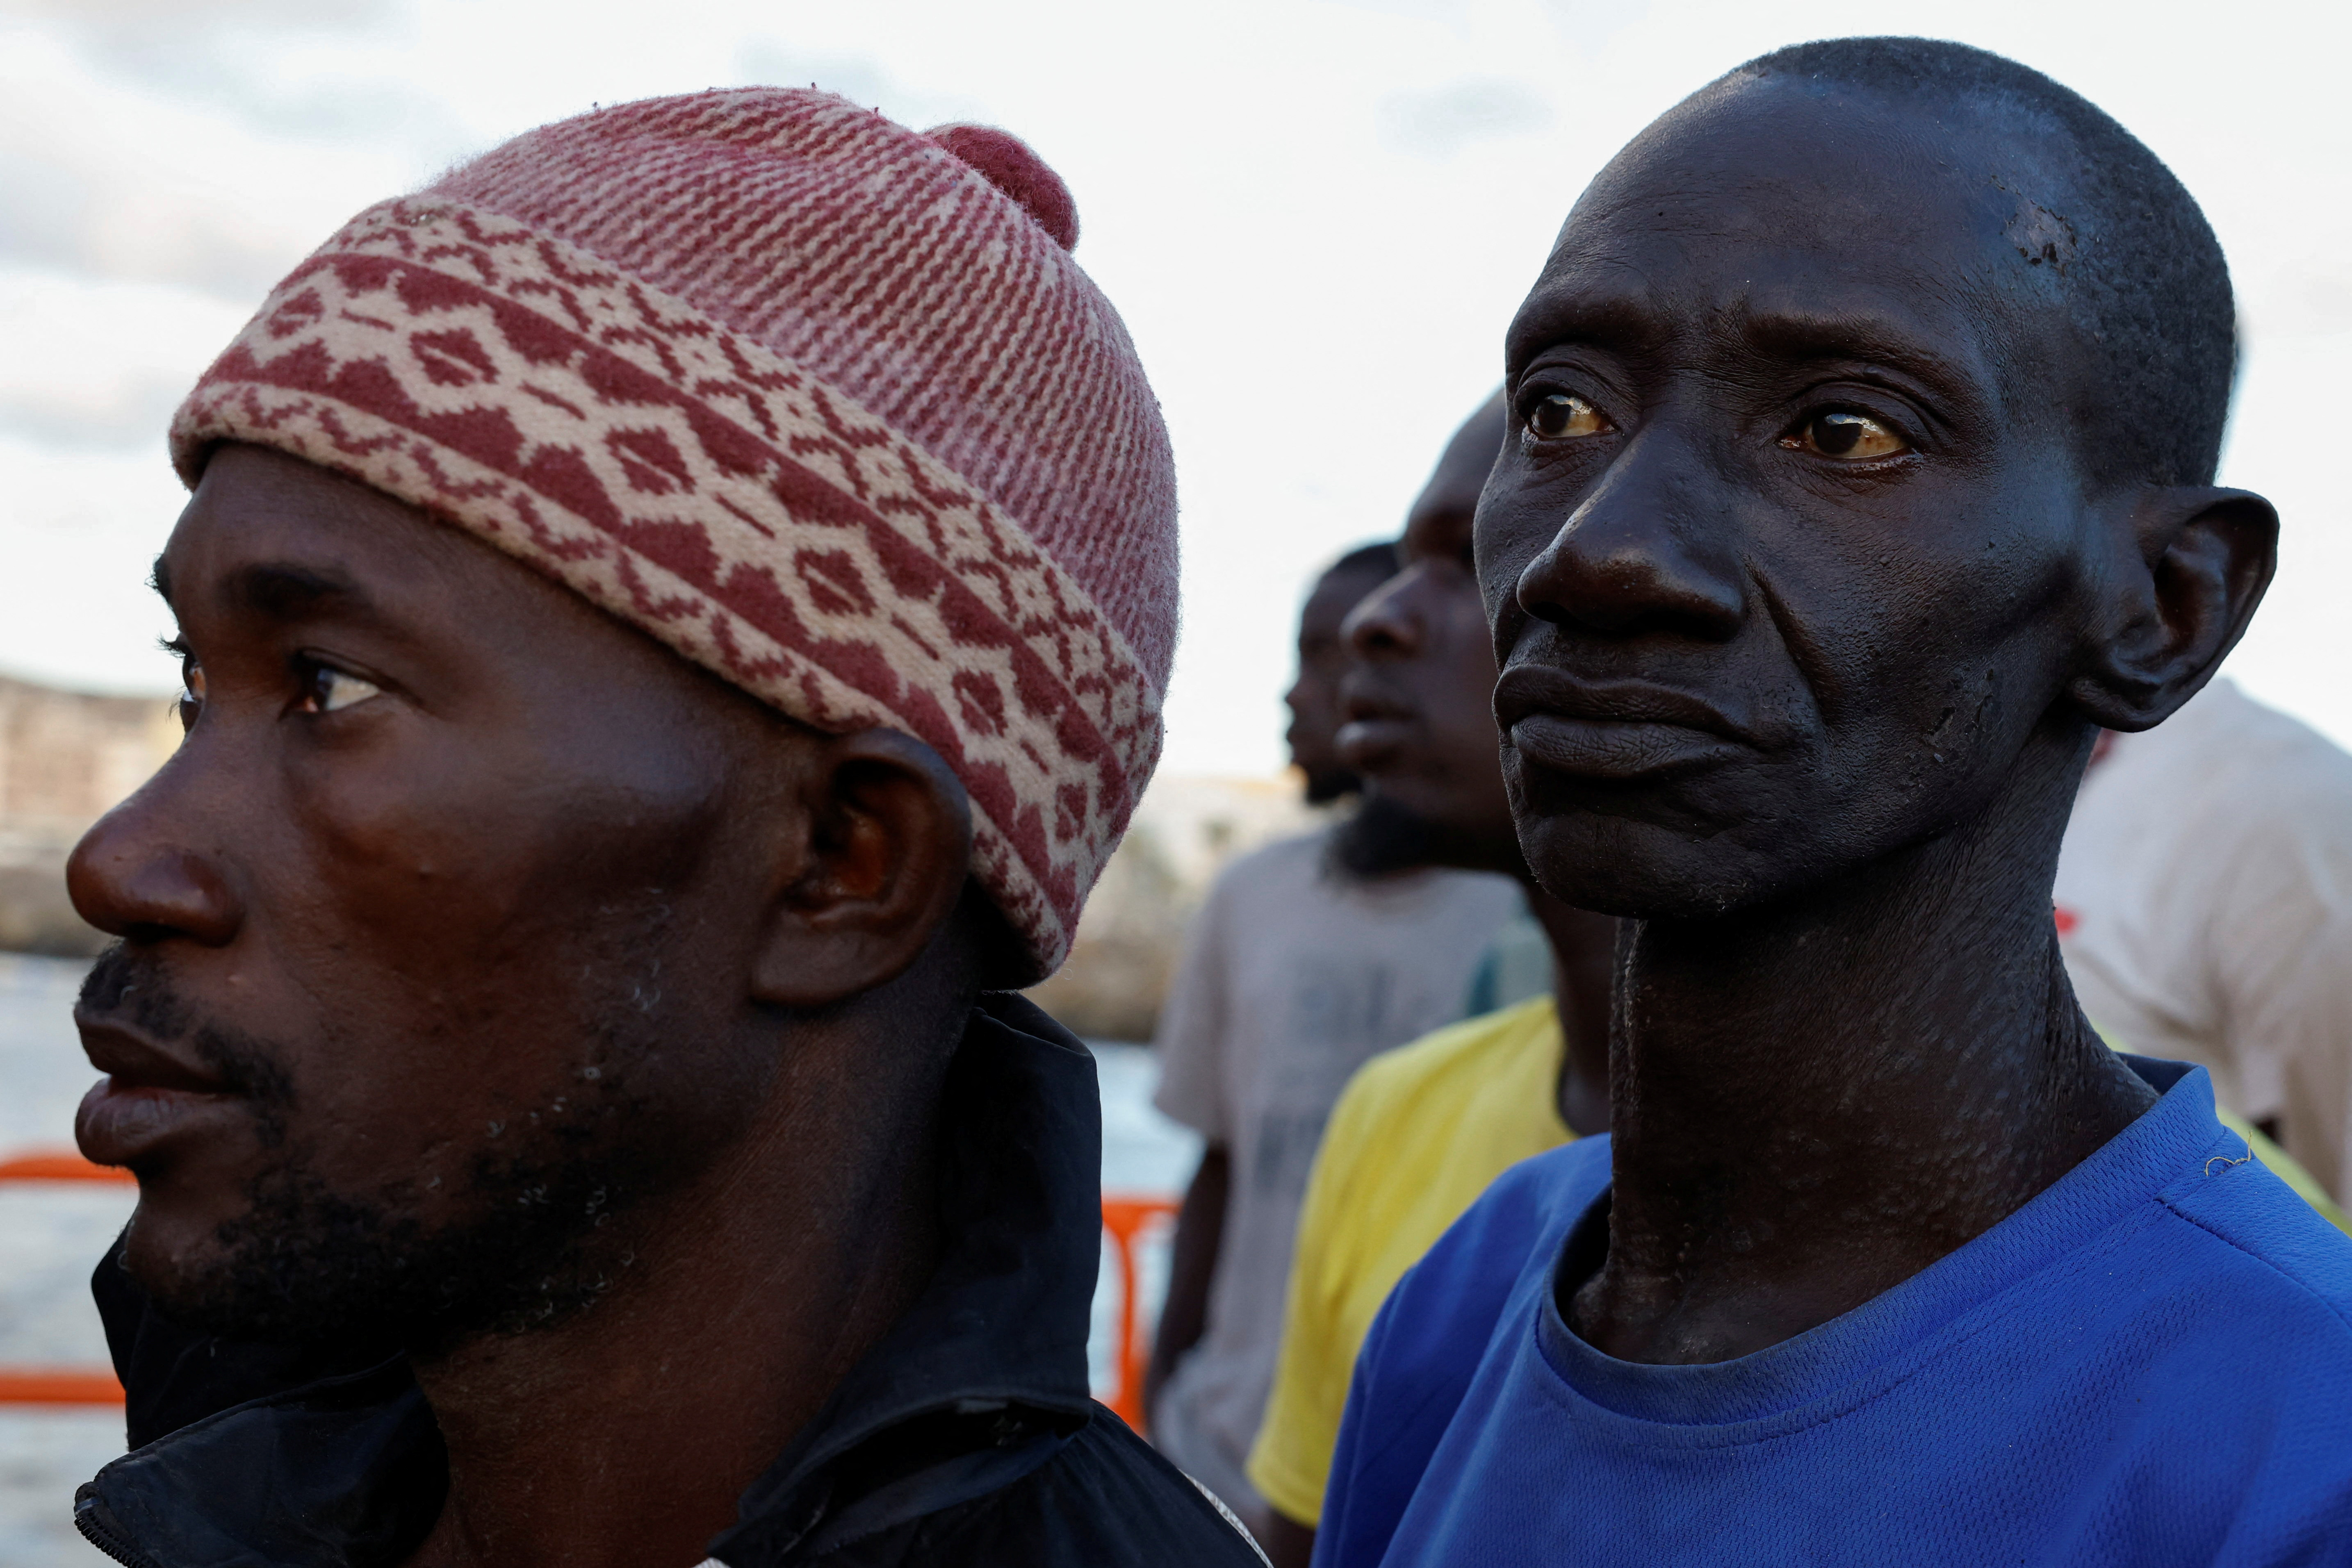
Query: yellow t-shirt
(1419, 1134)
(1420, 1131)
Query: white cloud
(78, 220)
(103, 178)
(93, 364)
(1315, 217)
(2297, 294)
(1441, 122)
(857, 77)
(80, 528)
(112, 16)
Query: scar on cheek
(2043, 238)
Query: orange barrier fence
(60, 1384)
(52, 1165)
(1125, 1218)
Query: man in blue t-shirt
(1867, 411)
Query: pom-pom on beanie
(820, 402)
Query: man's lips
(1376, 723)
(1367, 744)
(150, 1094)
(1613, 730)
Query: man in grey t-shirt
(1296, 971)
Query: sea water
(50, 1236)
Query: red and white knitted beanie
(820, 402)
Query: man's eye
(192, 690)
(1561, 414)
(327, 689)
(1843, 434)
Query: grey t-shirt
(1292, 978)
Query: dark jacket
(966, 1437)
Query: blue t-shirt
(2151, 1364)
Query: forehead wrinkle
(1801, 314)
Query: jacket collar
(978, 1384)
(989, 1364)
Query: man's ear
(2178, 604)
(886, 831)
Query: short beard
(305, 1263)
(1387, 838)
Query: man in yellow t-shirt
(1418, 1134)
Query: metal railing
(1126, 1215)
(60, 1384)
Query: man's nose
(133, 876)
(1388, 622)
(1650, 549)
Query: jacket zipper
(98, 1535)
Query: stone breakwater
(66, 758)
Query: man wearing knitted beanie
(674, 618)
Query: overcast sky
(1316, 216)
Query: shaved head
(2138, 267)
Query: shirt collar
(2172, 1140)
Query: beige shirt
(2204, 902)
(1291, 979)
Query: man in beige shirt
(2204, 906)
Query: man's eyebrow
(1612, 316)
(159, 578)
(280, 591)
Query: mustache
(133, 987)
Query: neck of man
(1815, 1099)
(623, 1435)
(1584, 954)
